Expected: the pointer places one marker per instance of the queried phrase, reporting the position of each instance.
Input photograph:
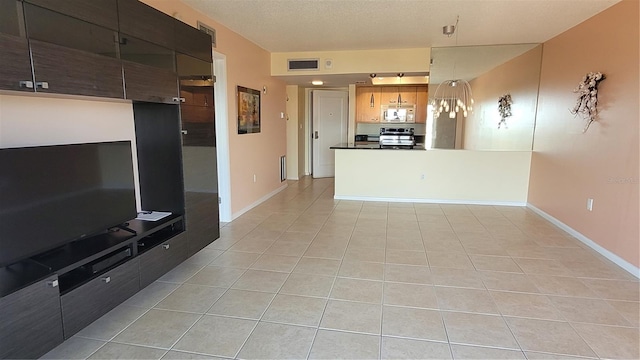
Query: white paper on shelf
(152, 215)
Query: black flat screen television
(53, 195)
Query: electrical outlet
(421, 176)
(590, 204)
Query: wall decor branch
(504, 108)
(587, 102)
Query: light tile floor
(306, 276)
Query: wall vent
(303, 64)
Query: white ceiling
(321, 25)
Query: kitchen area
(390, 116)
(403, 150)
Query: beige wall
(458, 176)
(519, 77)
(250, 154)
(569, 166)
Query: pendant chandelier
(452, 96)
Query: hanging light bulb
(372, 100)
(452, 114)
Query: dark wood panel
(144, 22)
(99, 12)
(16, 66)
(56, 28)
(192, 42)
(159, 151)
(31, 321)
(87, 303)
(76, 72)
(150, 84)
(11, 18)
(162, 258)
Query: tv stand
(75, 284)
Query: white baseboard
(624, 264)
(258, 202)
(433, 201)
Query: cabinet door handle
(53, 283)
(106, 279)
(26, 84)
(184, 132)
(42, 84)
(165, 246)
(177, 99)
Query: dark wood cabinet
(83, 305)
(68, 71)
(100, 12)
(31, 321)
(162, 258)
(144, 22)
(159, 152)
(192, 42)
(56, 28)
(150, 84)
(15, 72)
(143, 52)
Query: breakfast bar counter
(374, 146)
(418, 175)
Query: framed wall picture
(248, 110)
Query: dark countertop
(371, 146)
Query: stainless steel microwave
(398, 113)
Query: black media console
(50, 297)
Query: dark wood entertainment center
(119, 49)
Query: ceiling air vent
(303, 64)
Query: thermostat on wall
(328, 63)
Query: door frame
(308, 123)
(222, 136)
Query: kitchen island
(439, 176)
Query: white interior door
(330, 114)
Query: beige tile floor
(306, 276)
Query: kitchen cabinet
(408, 95)
(364, 111)
(422, 100)
(389, 95)
(31, 320)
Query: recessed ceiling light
(317, 82)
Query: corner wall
(569, 166)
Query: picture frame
(248, 110)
